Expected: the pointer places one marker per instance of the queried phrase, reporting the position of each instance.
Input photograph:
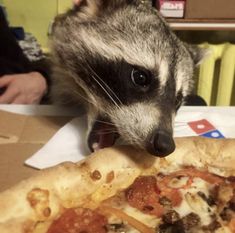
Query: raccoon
(122, 61)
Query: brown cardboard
(210, 9)
(12, 168)
(20, 137)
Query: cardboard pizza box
(210, 9)
(20, 137)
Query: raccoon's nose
(160, 144)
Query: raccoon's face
(129, 68)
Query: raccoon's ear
(198, 54)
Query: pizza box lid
(20, 137)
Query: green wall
(35, 15)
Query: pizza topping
(143, 194)
(96, 175)
(186, 175)
(165, 202)
(183, 225)
(110, 177)
(196, 203)
(47, 212)
(179, 182)
(39, 201)
(80, 220)
(165, 185)
(149, 196)
(173, 195)
(232, 202)
(116, 227)
(170, 228)
(189, 221)
(231, 225)
(189, 190)
(214, 225)
(171, 217)
(208, 199)
(141, 227)
(226, 214)
(224, 193)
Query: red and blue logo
(205, 129)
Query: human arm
(21, 81)
(26, 88)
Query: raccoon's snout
(160, 143)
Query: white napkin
(69, 143)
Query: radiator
(216, 75)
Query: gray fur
(99, 38)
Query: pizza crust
(70, 185)
(100, 176)
(215, 155)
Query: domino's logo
(205, 129)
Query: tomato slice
(190, 173)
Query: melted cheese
(42, 227)
(223, 230)
(178, 183)
(149, 220)
(192, 202)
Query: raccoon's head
(128, 67)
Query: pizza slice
(125, 190)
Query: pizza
(126, 190)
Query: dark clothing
(12, 58)
(194, 100)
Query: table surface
(12, 169)
(51, 110)
(42, 110)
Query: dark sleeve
(12, 58)
(43, 66)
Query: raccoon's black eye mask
(124, 82)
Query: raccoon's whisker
(105, 84)
(106, 122)
(109, 88)
(103, 88)
(84, 98)
(79, 94)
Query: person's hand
(26, 88)
(77, 2)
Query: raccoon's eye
(140, 78)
